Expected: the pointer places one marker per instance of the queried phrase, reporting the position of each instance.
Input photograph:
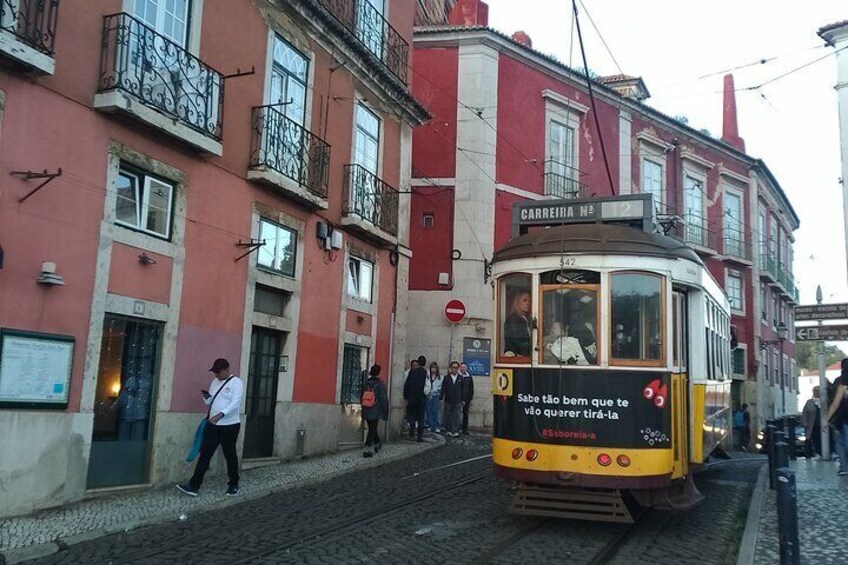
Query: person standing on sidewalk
(467, 385)
(222, 428)
(452, 395)
(434, 401)
(416, 399)
(375, 407)
(838, 414)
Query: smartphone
(204, 392)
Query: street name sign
(815, 312)
(822, 333)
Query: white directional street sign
(815, 312)
(822, 333)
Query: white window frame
(142, 182)
(659, 162)
(279, 227)
(357, 294)
(764, 306)
(194, 19)
(562, 110)
(733, 274)
(360, 103)
(729, 191)
(744, 348)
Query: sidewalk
(822, 504)
(44, 532)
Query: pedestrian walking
(452, 395)
(434, 400)
(416, 399)
(467, 384)
(375, 407)
(812, 425)
(222, 428)
(406, 416)
(837, 414)
(739, 428)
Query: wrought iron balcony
(736, 246)
(373, 32)
(282, 145)
(695, 232)
(769, 266)
(162, 74)
(369, 198)
(562, 181)
(30, 24)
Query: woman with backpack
(375, 407)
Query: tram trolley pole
(791, 423)
(787, 517)
(770, 430)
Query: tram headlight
(623, 460)
(517, 453)
(604, 460)
(532, 455)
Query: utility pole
(823, 399)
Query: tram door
(680, 384)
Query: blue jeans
(842, 446)
(434, 408)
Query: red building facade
(223, 182)
(511, 124)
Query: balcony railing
(32, 21)
(562, 181)
(372, 30)
(371, 199)
(695, 232)
(735, 245)
(283, 145)
(138, 60)
(771, 267)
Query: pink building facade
(511, 125)
(224, 180)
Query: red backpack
(369, 398)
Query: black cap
(219, 365)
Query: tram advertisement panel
(626, 409)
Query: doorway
(354, 366)
(262, 379)
(124, 401)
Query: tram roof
(595, 239)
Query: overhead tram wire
(598, 31)
(592, 97)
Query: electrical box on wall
(322, 230)
(444, 278)
(336, 240)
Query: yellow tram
(612, 360)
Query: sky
(791, 123)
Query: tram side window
(516, 315)
(569, 322)
(637, 318)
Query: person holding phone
(222, 428)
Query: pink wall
(436, 88)
(358, 322)
(431, 247)
(129, 277)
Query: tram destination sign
(822, 333)
(622, 209)
(815, 312)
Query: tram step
(600, 505)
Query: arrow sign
(822, 333)
(815, 312)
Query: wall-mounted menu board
(35, 369)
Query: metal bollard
(791, 440)
(787, 517)
(781, 452)
(770, 430)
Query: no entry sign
(455, 311)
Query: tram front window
(569, 319)
(637, 314)
(516, 307)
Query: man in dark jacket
(375, 407)
(452, 395)
(467, 382)
(416, 399)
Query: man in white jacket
(222, 428)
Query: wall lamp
(48, 275)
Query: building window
(359, 278)
(763, 237)
(739, 361)
(270, 301)
(168, 18)
(764, 302)
(775, 309)
(429, 220)
(144, 202)
(288, 81)
(693, 202)
(367, 139)
(369, 25)
(734, 291)
(279, 249)
(652, 175)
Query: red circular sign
(455, 311)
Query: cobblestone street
(440, 506)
